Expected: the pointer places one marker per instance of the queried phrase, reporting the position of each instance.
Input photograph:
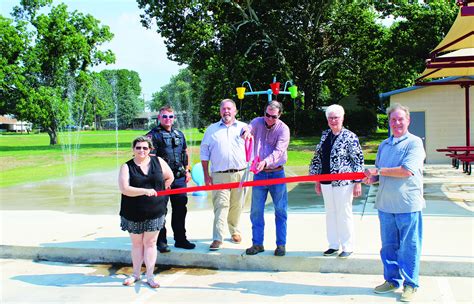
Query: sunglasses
(167, 116)
(142, 148)
(271, 116)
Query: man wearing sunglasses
(170, 144)
(271, 139)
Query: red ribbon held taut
(268, 182)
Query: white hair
(398, 106)
(336, 109)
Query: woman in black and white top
(142, 213)
(338, 152)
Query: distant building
(144, 120)
(437, 115)
(8, 123)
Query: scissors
(248, 155)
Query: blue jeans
(280, 203)
(401, 235)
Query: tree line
(332, 49)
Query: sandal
(151, 282)
(130, 281)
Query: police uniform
(171, 146)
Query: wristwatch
(378, 171)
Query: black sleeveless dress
(144, 213)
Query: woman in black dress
(142, 212)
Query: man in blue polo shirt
(399, 201)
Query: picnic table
(460, 154)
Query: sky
(135, 47)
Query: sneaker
(162, 247)
(185, 245)
(386, 287)
(408, 293)
(236, 239)
(254, 249)
(280, 250)
(330, 252)
(344, 254)
(216, 245)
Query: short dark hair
(142, 139)
(274, 105)
(166, 108)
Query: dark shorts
(141, 227)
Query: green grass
(28, 158)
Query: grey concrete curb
(225, 261)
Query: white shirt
(223, 146)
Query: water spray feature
(113, 84)
(274, 90)
(69, 133)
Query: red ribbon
(248, 149)
(268, 182)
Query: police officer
(170, 144)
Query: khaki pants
(227, 204)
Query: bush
(305, 122)
(382, 121)
(361, 122)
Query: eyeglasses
(142, 148)
(271, 116)
(334, 117)
(167, 116)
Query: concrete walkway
(79, 238)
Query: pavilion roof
(460, 36)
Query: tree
(418, 28)
(92, 100)
(329, 48)
(125, 86)
(225, 42)
(179, 94)
(101, 100)
(60, 47)
(13, 41)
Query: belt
(230, 171)
(273, 170)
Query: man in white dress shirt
(224, 148)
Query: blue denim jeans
(401, 235)
(279, 196)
